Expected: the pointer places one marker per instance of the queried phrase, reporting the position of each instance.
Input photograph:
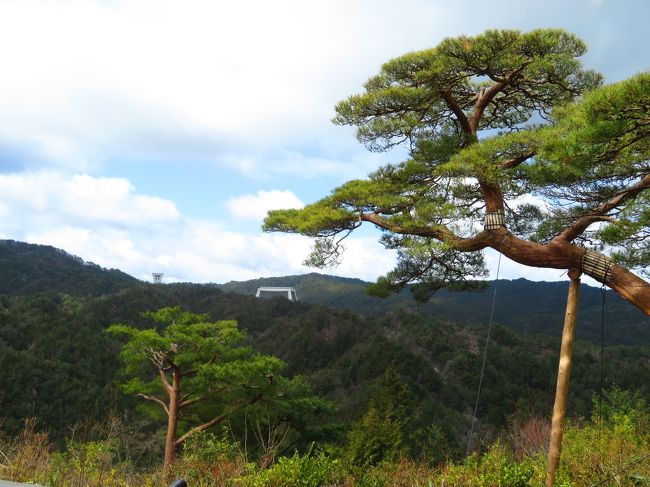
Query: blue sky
(151, 135)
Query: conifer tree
(379, 435)
(512, 146)
(196, 371)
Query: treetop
(495, 80)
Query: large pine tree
(513, 146)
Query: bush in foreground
(613, 450)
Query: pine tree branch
(516, 161)
(216, 420)
(437, 232)
(156, 400)
(452, 103)
(185, 403)
(599, 213)
(164, 380)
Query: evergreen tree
(483, 172)
(379, 435)
(195, 371)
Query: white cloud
(105, 221)
(88, 81)
(202, 251)
(256, 206)
(529, 199)
(50, 196)
(357, 166)
(107, 247)
(338, 168)
(246, 86)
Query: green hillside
(28, 269)
(525, 306)
(61, 367)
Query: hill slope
(60, 366)
(28, 269)
(526, 306)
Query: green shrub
(495, 468)
(91, 463)
(207, 447)
(309, 470)
(516, 475)
(209, 460)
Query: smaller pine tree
(379, 435)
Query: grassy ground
(613, 449)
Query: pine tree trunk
(630, 287)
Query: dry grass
(529, 437)
(591, 454)
(26, 457)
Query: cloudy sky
(152, 135)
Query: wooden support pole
(564, 371)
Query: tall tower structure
(157, 277)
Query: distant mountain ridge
(29, 269)
(60, 366)
(526, 306)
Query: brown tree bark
(559, 253)
(630, 287)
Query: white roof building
(269, 291)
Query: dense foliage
(625, 325)
(62, 368)
(29, 269)
(511, 145)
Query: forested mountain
(60, 366)
(28, 268)
(525, 306)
